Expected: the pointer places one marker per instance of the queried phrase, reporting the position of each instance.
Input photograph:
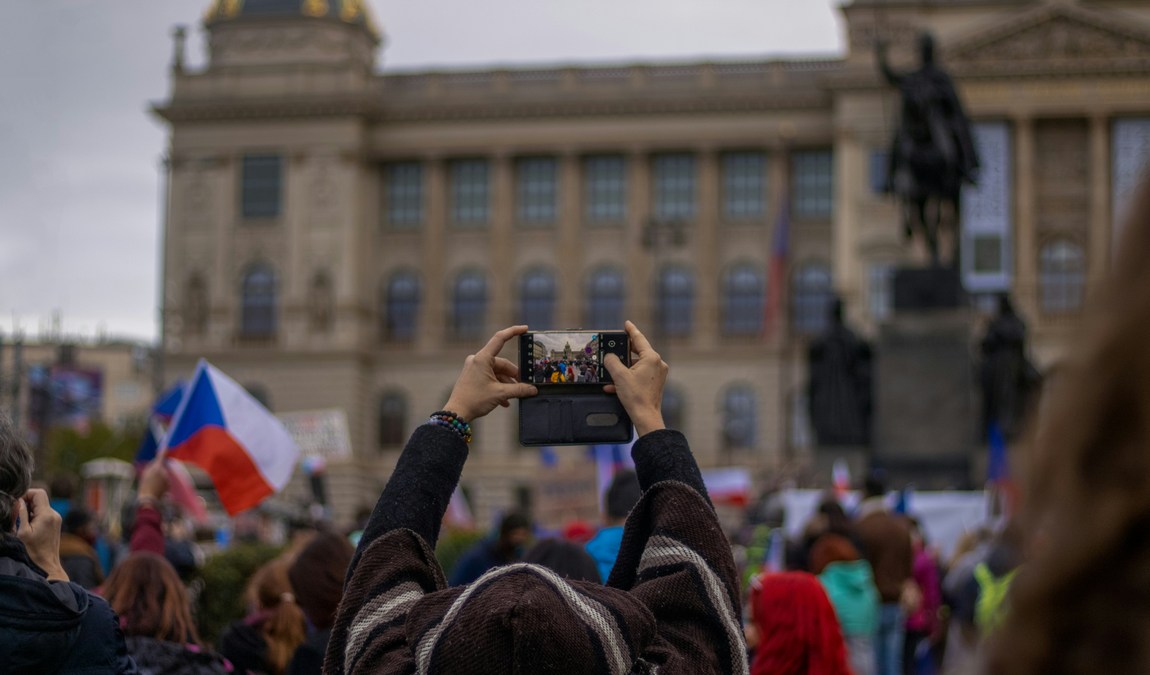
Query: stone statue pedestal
(925, 421)
(927, 288)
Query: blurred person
(77, 550)
(156, 618)
(621, 496)
(981, 597)
(669, 605)
(62, 489)
(317, 576)
(849, 583)
(47, 624)
(265, 640)
(567, 559)
(507, 547)
(922, 624)
(1079, 605)
(794, 627)
(972, 548)
(886, 543)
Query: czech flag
(224, 430)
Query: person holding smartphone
(670, 604)
(47, 623)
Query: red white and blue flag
(777, 270)
(224, 430)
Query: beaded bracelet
(450, 420)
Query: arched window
(392, 419)
(258, 303)
(743, 301)
(605, 293)
(469, 306)
(674, 302)
(1061, 277)
(811, 297)
(321, 301)
(537, 299)
(673, 408)
(401, 306)
(739, 417)
(196, 306)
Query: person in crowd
(77, 553)
(47, 624)
(507, 547)
(62, 491)
(973, 548)
(565, 558)
(670, 605)
(622, 495)
(1079, 604)
(849, 584)
(922, 625)
(317, 575)
(265, 640)
(794, 627)
(149, 597)
(980, 601)
(886, 543)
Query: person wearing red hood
(798, 633)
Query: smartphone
(570, 357)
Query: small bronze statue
(933, 152)
(1009, 380)
(839, 392)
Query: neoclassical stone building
(341, 235)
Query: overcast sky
(80, 155)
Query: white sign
(319, 433)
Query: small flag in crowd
(1001, 488)
(777, 270)
(609, 460)
(459, 511)
(776, 557)
(841, 478)
(158, 421)
(224, 430)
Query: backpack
(991, 606)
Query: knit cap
(524, 618)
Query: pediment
(1054, 39)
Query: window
(739, 417)
(674, 303)
(673, 407)
(811, 299)
(404, 194)
(196, 306)
(880, 282)
(258, 303)
(605, 189)
(401, 310)
(537, 190)
(744, 185)
(674, 183)
(469, 192)
(320, 303)
(1061, 277)
(812, 184)
(537, 299)
(469, 309)
(743, 301)
(605, 294)
(261, 186)
(392, 419)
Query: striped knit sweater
(670, 605)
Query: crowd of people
(657, 589)
(565, 371)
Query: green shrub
(225, 576)
(452, 544)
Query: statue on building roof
(933, 151)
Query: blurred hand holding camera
(488, 380)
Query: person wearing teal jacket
(849, 583)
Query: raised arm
(147, 528)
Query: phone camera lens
(610, 343)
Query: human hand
(488, 380)
(39, 529)
(154, 480)
(640, 387)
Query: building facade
(338, 235)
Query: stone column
(432, 320)
(569, 299)
(1026, 217)
(639, 286)
(1100, 219)
(703, 238)
(501, 273)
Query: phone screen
(568, 357)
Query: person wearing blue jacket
(849, 583)
(622, 496)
